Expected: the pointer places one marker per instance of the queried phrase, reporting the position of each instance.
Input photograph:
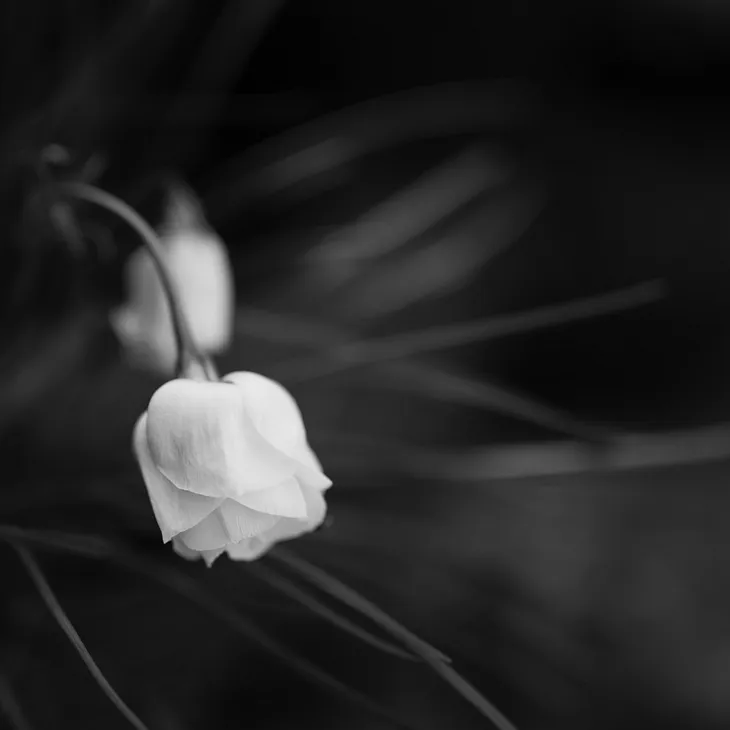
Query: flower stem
(189, 357)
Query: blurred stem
(100, 548)
(349, 355)
(49, 598)
(190, 361)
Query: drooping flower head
(227, 466)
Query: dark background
(596, 600)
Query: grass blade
(10, 707)
(472, 695)
(336, 139)
(431, 656)
(424, 379)
(250, 630)
(448, 261)
(97, 548)
(450, 387)
(412, 211)
(368, 352)
(351, 598)
(49, 598)
(227, 49)
(627, 452)
(290, 589)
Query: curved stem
(187, 351)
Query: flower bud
(227, 466)
(200, 271)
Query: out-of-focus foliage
(377, 171)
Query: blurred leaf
(336, 139)
(227, 49)
(426, 380)
(440, 384)
(410, 212)
(365, 352)
(625, 452)
(446, 264)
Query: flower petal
(312, 478)
(199, 264)
(202, 440)
(285, 500)
(304, 455)
(146, 295)
(273, 410)
(210, 534)
(249, 549)
(184, 551)
(285, 529)
(241, 522)
(278, 419)
(174, 509)
(230, 523)
(144, 325)
(316, 507)
(210, 556)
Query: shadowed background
(376, 170)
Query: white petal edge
(278, 419)
(285, 529)
(273, 410)
(175, 510)
(242, 522)
(312, 478)
(210, 534)
(202, 439)
(285, 500)
(230, 523)
(185, 552)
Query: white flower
(200, 270)
(228, 467)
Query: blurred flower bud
(227, 466)
(200, 270)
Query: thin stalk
(349, 355)
(188, 354)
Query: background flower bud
(200, 270)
